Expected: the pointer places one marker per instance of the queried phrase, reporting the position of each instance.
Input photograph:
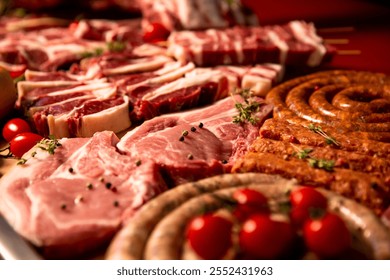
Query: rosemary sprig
(246, 110)
(317, 129)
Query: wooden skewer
(349, 52)
(336, 41)
(336, 29)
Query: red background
(370, 21)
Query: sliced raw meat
(295, 43)
(194, 144)
(108, 30)
(74, 109)
(73, 201)
(195, 14)
(150, 100)
(49, 49)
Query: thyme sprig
(318, 129)
(49, 144)
(327, 165)
(246, 110)
(116, 46)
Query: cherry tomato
(210, 236)
(305, 201)
(14, 127)
(155, 32)
(261, 237)
(249, 201)
(23, 142)
(328, 236)
(15, 74)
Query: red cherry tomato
(155, 32)
(15, 74)
(14, 127)
(210, 236)
(328, 236)
(261, 237)
(23, 142)
(305, 201)
(249, 201)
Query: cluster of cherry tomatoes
(17, 132)
(259, 235)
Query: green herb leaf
(49, 145)
(302, 154)
(246, 110)
(318, 129)
(116, 46)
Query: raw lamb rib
(72, 202)
(295, 43)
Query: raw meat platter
(187, 130)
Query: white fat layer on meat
(280, 44)
(233, 78)
(54, 51)
(139, 65)
(105, 93)
(307, 35)
(178, 52)
(82, 28)
(278, 68)
(58, 125)
(188, 37)
(114, 119)
(98, 89)
(33, 110)
(92, 72)
(183, 83)
(264, 72)
(173, 73)
(257, 84)
(24, 87)
(148, 50)
(239, 52)
(12, 67)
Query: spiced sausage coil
(346, 101)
